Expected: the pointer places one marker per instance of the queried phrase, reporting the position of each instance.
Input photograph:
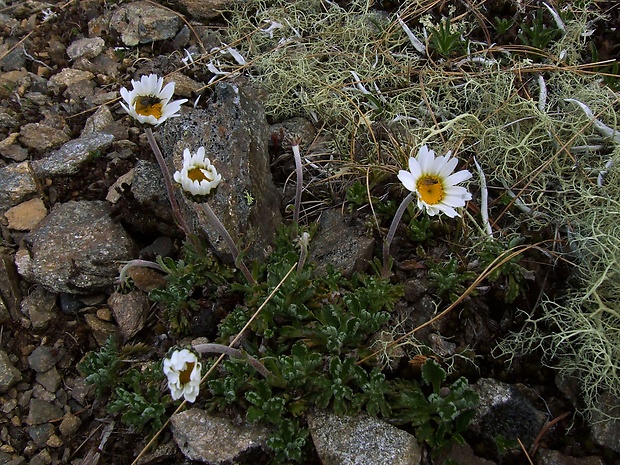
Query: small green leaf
(433, 374)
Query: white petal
(451, 212)
(453, 201)
(414, 167)
(407, 179)
(126, 95)
(455, 191)
(437, 164)
(425, 159)
(167, 92)
(458, 177)
(448, 167)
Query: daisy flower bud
(183, 372)
(148, 102)
(198, 175)
(432, 180)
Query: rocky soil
(80, 193)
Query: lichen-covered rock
(68, 159)
(352, 440)
(144, 22)
(504, 410)
(214, 440)
(77, 248)
(234, 132)
(88, 47)
(9, 375)
(17, 183)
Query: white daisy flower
(198, 175)
(183, 372)
(432, 180)
(148, 102)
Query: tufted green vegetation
(551, 168)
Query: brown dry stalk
(494, 265)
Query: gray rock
(14, 81)
(17, 184)
(8, 119)
(553, 457)
(9, 283)
(149, 190)
(49, 379)
(42, 458)
(129, 311)
(13, 60)
(206, 9)
(42, 412)
(40, 307)
(69, 425)
(40, 433)
(88, 47)
(79, 390)
(77, 248)
(233, 130)
(461, 454)
(605, 423)
(9, 148)
(144, 22)
(101, 330)
(68, 77)
(214, 440)
(347, 440)
(100, 120)
(41, 137)
(5, 316)
(504, 411)
(340, 245)
(9, 375)
(43, 358)
(70, 303)
(23, 263)
(71, 156)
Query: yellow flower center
(148, 105)
(185, 375)
(196, 174)
(430, 189)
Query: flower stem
(232, 352)
(392, 231)
(300, 182)
(137, 262)
(215, 221)
(176, 211)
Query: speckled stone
(347, 440)
(9, 375)
(214, 440)
(69, 158)
(77, 248)
(17, 184)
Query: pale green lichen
(505, 106)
